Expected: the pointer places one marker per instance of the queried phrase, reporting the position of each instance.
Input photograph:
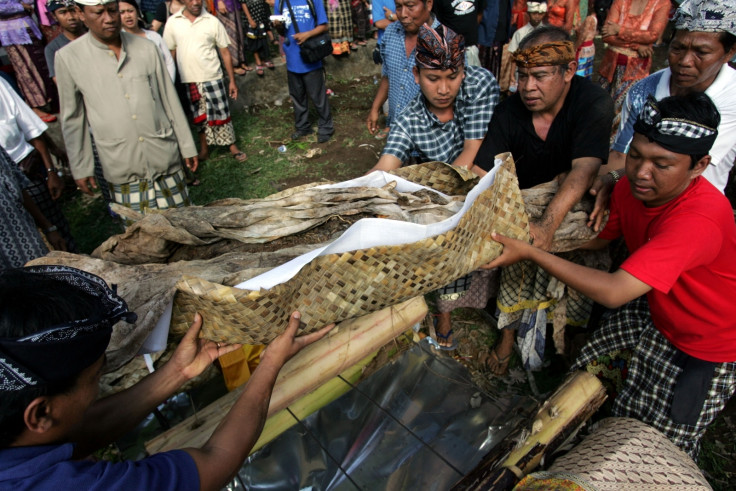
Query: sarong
(490, 58)
(164, 192)
(360, 19)
(210, 111)
(340, 20)
(31, 72)
(233, 22)
(660, 379)
(527, 299)
(585, 55)
(471, 291)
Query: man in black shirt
(556, 126)
(462, 16)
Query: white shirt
(196, 45)
(156, 39)
(18, 123)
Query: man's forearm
(386, 163)
(381, 95)
(573, 187)
(111, 417)
(467, 156)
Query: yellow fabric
(239, 365)
(196, 46)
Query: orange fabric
(636, 30)
(238, 365)
(561, 13)
(518, 14)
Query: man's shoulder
(80, 47)
(57, 43)
(415, 110)
(584, 91)
(394, 29)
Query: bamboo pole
(345, 346)
(573, 403)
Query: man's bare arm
(372, 121)
(573, 187)
(386, 163)
(467, 156)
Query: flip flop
(49, 118)
(445, 338)
(501, 363)
(246, 68)
(194, 182)
(259, 70)
(239, 71)
(240, 156)
(382, 134)
(269, 65)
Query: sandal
(445, 338)
(502, 364)
(239, 71)
(382, 133)
(240, 156)
(246, 68)
(269, 65)
(259, 70)
(194, 182)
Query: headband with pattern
(707, 16)
(441, 49)
(61, 352)
(545, 54)
(674, 134)
(53, 5)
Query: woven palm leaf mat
(336, 287)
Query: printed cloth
(654, 372)
(586, 55)
(211, 112)
(160, 193)
(471, 291)
(546, 54)
(440, 49)
(707, 16)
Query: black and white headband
(61, 352)
(674, 134)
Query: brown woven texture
(439, 176)
(337, 287)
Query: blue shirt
(379, 14)
(50, 467)
(419, 130)
(306, 22)
(399, 69)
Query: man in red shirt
(675, 323)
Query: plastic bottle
(282, 149)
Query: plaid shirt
(418, 130)
(399, 69)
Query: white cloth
(18, 123)
(518, 36)
(156, 39)
(196, 46)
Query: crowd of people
(458, 85)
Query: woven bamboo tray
(336, 287)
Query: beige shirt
(196, 46)
(129, 103)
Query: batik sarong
(169, 191)
(676, 393)
(210, 111)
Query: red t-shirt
(686, 251)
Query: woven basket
(336, 287)
(445, 178)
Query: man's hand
(286, 345)
(388, 14)
(192, 163)
(541, 234)
(221, 7)
(610, 29)
(233, 90)
(56, 241)
(194, 354)
(300, 37)
(513, 251)
(86, 185)
(645, 51)
(371, 122)
(55, 184)
(601, 189)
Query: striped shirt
(419, 130)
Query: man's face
(69, 19)
(695, 60)
(413, 13)
(194, 7)
(74, 404)
(541, 88)
(440, 87)
(128, 15)
(657, 175)
(103, 21)
(535, 18)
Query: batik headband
(674, 134)
(707, 16)
(441, 49)
(61, 352)
(545, 54)
(53, 5)
(536, 7)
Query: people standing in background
(163, 11)
(493, 32)
(66, 14)
(561, 13)
(229, 13)
(519, 14)
(584, 46)
(537, 11)
(462, 17)
(384, 13)
(49, 27)
(131, 19)
(631, 28)
(22, 40)
(306, 80)
(257, 15)
(195, 39)
(340, 20)
(148, 8)
(361, 21)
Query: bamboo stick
(579, 396)
(346, 345)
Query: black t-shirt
(461, 16)
(582, 128)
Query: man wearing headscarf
(537, 12)
(675, 325)
(55, 324)
(448, 119)
(556, 127)
(116, 83)
(698, 55)
(66, 13)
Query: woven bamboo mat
(336, 287)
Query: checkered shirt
(399, 69)
(647, 391)
(419, 130)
